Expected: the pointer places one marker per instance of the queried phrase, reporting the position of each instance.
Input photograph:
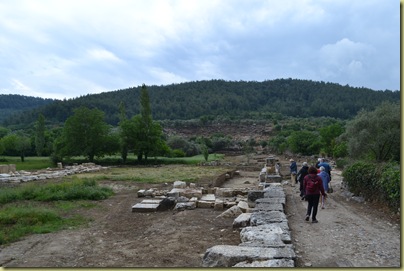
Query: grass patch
(17, 221)
(162, 174)
(76, 189)
(30, 163)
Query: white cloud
(102, 54)
(72, 47)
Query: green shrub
(378, 182)
(390, 182)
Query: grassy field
(150, 174)
(36, 163)
(45, 207)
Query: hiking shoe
(307, 218)
(315, 221)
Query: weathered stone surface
(234, 211)
(190, 205)
(269, 207)
(253, 195)
(228, 256)
(166, 204)
(225, 192)
(266, 235)
(179, 184)
(143, 208)
(151, 201)
(208, 197)
(268, 263)
(243, 220)
(274, 193)
(205, 204)
(4, 169)
(140, 193)
(219, 204)
(243, 206)
(263, 217)
(189, 193)
(281, 200)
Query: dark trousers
(312, 205)
(301, 189)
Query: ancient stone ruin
(9, 174)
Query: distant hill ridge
(15, 103)
(233, 99)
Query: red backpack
(312, 185)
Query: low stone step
(144, 208)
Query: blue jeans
(312, 205)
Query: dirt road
(348, 234)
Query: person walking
(326, 179)
(293, 172)
(326, 166)
(300, 177)
(313, 186)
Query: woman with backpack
(313, 187)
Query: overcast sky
(68, 48)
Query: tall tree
(148, 133)
(85, 133)
(125, 132)
(40, 134)
(375, 134)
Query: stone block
(234, 211)
(208, 197)
(243, 206)
(269, 207)
(4, 169)
(268, 235)
(179, 184)
(269, 263)
(253, 195)
(263, 217)
(243, 220)
(185, 206)
(264, 201)
(228, 256)
(12, 168)
(144, 208)
(219, 205)
(205, 204)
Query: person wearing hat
(300, 176)
(293, 172)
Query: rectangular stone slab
(140, 207)
(228, 256)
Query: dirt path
(348, 234)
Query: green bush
(390, 182)
(378, 182)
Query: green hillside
(16, 104)
(235, 100)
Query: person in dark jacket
(313, 186)
(293, 172)
(300, 176)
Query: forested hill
(14, 103)
(291, 97)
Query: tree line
(219, 98)
(372, 136)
